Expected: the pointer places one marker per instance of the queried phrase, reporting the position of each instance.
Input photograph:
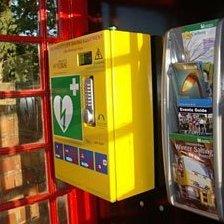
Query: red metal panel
(73, 207)
(64, 23)
(73, 18)
(82, 207)
(79, 17)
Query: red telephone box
(29, 188)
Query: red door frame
(72, 22)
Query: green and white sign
(66, 105)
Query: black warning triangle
(98, 55)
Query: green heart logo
(63, 111)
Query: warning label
(98, 55)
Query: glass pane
(20, 121)
(62, 206)
(22, 175)
(19, 66)
(52, 26)
(37, 213)
(19, 17)
(30, 120)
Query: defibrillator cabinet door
(102, 113)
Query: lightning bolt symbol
(63, 113)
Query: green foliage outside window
(19, 63)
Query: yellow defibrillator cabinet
(102, 113)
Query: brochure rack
(192, 111)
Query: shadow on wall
(137, 19)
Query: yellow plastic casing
(123, 111)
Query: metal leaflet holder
(192, 111)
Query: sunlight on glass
(37, 213)
(20, 121)
(22, 175)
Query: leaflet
(192, 171)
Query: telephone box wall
(136, 19)
(181, 13)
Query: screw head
(161, 208)
(142, 204)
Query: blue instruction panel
(71, 154)
(101, 163)
(58, 149)
(86, 158)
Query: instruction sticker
(71, 154)
(58, 149)
(86, 158)
(101, 163)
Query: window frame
(72, 21)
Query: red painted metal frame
(23, 148)
(46, 109)
(43, 92)
(64, 23)
(27, 39)
(72, 22)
